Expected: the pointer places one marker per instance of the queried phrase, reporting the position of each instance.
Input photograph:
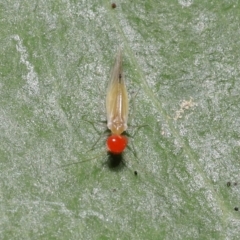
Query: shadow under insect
(115, 162)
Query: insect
(117, 108)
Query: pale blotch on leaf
(185, 105)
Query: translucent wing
(117, 99)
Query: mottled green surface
(55, 60)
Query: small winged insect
(117, 114)
(117, 109)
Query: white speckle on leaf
(85, 214)
(31, 77)
(185, 3)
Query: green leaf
(182, 58)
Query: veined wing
(117, 99)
